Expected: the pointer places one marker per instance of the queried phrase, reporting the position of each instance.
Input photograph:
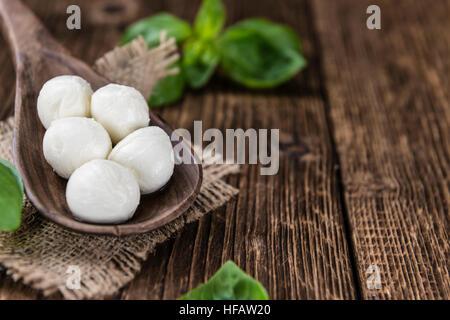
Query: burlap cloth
(41, 252)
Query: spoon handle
(25, 33)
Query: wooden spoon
(38, 58)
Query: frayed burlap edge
(44, 255)
(132, 64)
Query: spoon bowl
(38, 58)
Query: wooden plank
(10, 290)
(287, 230)
(7, 72)
(388, 99)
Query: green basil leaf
(210, 19)
(11, 197)
(151, 27)
(280, 34)
(200, 59)
(169, 89)
(260, 54)
(229, 283)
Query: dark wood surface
(38, 57)
(389, 104)
(364, 168)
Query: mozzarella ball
(120, 109)
(102, 191)
(149, 154)
(71, 142)
(62, 97)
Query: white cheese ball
(102, 191)
(149, 154)
(71, 142)
(62, 97)
(120, 109)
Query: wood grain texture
(388, 94)
(11, 290)
(38, 58)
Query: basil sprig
(256, 53)
(200, 55)
(11, 197)
(229, 283)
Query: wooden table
(365, 153)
